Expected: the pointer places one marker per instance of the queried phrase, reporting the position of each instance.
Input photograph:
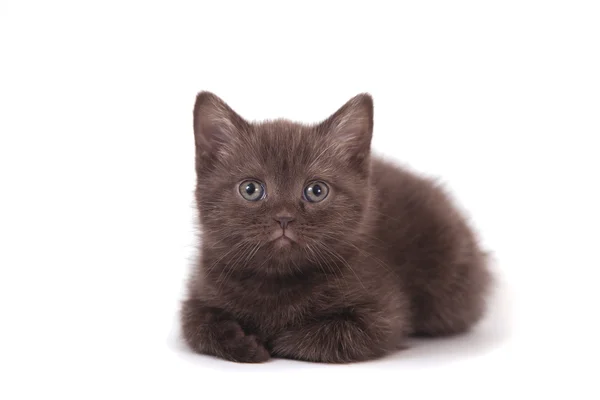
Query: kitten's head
(279, 193)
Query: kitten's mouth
(283, 237)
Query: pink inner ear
(215, 131)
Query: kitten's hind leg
(454, 304)
(212, 331)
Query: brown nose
(284, 220)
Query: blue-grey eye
(252, 190)
(316, 191)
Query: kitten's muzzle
(284, 234)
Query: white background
(499, 99)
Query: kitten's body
(384, 255)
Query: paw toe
(250, 349)
(230, 331)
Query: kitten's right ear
(215, 124)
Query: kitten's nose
(284, 219)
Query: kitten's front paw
(210, 330)
(239, 347)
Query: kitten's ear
(215, 124)
(351, 128)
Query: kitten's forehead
(289, 148)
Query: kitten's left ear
(351, 127)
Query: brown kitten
(314, 250)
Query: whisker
(244, 257)
(235, 247)
(364, 252)
(346, 263)
(236, 256)
(318, 262)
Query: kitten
(313, 249)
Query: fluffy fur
(385, 255)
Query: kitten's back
(432, 247)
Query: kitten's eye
(252, 190)
(316, 191)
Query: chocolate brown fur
(385, 255)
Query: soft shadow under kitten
(313, 249)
